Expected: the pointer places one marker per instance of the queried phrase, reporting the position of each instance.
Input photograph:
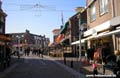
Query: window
(1, 29)
(2, 19)
(22, 35)
(103, 6)
(92, 13)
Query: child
(95, 72)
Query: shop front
(99, 39)
(3, 45)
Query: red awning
(59, 38)
(5, 38)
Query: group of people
(34, 51)
(98, 54)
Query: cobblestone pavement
(36, 67)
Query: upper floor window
(103, 6)
(2, 19)
(1, 29)
(92, 12)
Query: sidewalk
(60, 62)
(13, 63)
(80, 66)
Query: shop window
(103, 6)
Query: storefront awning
(65, 41)
(82, 40)
(59, 38)
(107, 34)
(101, 27)
(97, 36)
(4, 38)
(78, 42)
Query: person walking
(28, 51)
(17, 52)
(8, 56)
(25, 52)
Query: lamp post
(79, 23)
(81, 29)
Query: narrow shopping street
(37, 67)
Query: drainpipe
(113, 15)
(79, 36)
(113, 8)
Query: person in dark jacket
(8, 56)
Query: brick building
(101, 30)
(27, 39)
(78, 21)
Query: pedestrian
(39, 52)
(8, 56)
(17, 52)
(95, 71)
(42, 53)
(28, 51)
(25, 51)
(96, 55)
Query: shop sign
(94, 32)
(2, 37)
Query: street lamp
(80, 10)
(79, 38)
(82, 26)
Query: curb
(70, 70)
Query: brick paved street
(36, 67)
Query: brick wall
(99, 18)
(117, 7)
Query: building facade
(78, 26)
(4, 38)
(27, 39)
(101, 30)
(115, 24)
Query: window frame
(103, 5)
(92, 16)
(1, 28)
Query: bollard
(71, 64)
(64, 60)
